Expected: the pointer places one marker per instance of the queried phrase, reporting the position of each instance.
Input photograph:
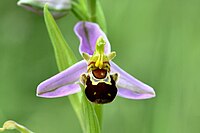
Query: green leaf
(64, 57)
(99, 112)
(100, 18)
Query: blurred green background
(157, 41)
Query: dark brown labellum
(101, 93)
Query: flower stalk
(92, 6)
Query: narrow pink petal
(64, 83)
(61, 91)
(88, 33)
(130, 87)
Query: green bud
(58, 8)
(11, 125)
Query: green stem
(78, 11)
(77, 14)
(90, 10)
(75, 99)
(92, 7)
(99, 111)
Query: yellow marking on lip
(109, 94)
(95, 93)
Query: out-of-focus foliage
(156, 41)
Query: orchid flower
(58, 8)
(101, 77)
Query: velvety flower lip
(65, 83)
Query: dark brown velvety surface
(101, 93)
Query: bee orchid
(100, 76)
